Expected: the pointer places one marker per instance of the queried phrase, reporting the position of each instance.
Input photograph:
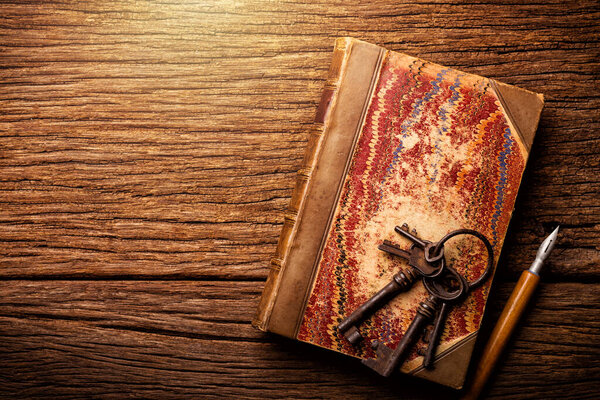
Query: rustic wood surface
(149, 150)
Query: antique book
(396, 140)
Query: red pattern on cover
(435, 151)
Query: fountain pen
(508, 319)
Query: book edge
(319, 130)
(320, 197)
(455, 359)
(349, 158)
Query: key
(444, 287)
(402, 281)
(437, 287)
(446, 297)
(419, 256)
(387, 360)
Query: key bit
(403, 230)
(426, 334)
(386, 359)
(415, 257)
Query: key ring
(488, 246)
(434, 287)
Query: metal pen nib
(543, 252)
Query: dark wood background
(149, 150)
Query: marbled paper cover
(436, 151)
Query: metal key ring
(432, 287)
(488, 246)
(432, 249)
(440, 270)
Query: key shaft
(386, 360)
(388, 247)
(401, 282)
(434, 338)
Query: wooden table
(149, 150)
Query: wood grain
(162, 338)
(148, 151)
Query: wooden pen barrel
(501, 334)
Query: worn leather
(342, 129)
(341, 54)
(522, 108)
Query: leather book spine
(316, 137)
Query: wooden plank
(144, 140)
(168, 339)
(149, 140)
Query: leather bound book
(396, 140)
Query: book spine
(316, 137)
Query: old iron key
(433, 286)
(386, 359)
(445, 298)
(401, 281)
(420, 254)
